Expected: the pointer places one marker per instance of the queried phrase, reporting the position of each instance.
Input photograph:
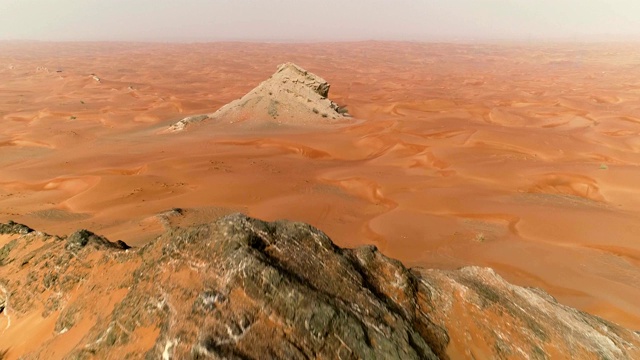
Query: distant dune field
(524, 158)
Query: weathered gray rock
(13, 228)
(512, 322)
(270, 290)
(241, 288)
(81, 238)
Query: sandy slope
(522, 158)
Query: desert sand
(521, 157)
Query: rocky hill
(290, 96)
(241, 288)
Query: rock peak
(315, 82)
(243, 288)
(292, 95)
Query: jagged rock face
(241, 288)
(83, 237)
(488, 318)
(14, 228)
(290, 96)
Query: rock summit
(291, 96)
(242, 288)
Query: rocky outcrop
(487, 318)
(82, 238)
(13, 228)
(290, 96)
(241, 288)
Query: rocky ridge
(291, 96)
(241, 288)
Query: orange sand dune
(525, 158)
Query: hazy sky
(204, 20)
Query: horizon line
(434, 40)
